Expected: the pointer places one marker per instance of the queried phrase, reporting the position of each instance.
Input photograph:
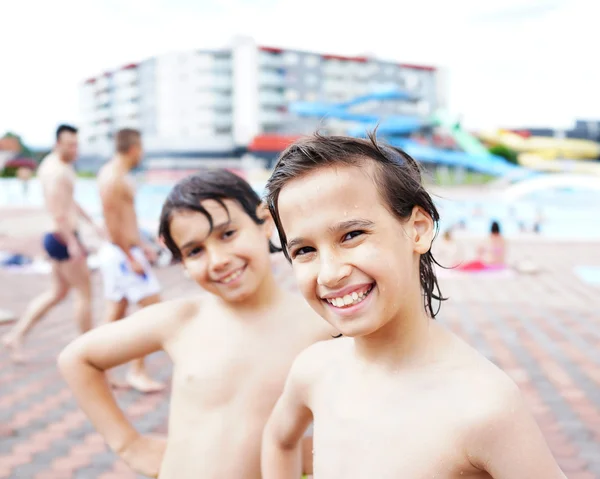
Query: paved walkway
(544, 330)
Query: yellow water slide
(536, 162)
(548, 148)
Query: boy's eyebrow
(338, 228)
(350, 225)
(194, 242)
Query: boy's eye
(228, 234)
(352, 234)
(194, 251)
(302, 251)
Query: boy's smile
(347, 298)
(233, 277)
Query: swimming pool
(568, 213)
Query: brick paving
(543, 330)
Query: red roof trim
(343, 58)
(130, 66)
(272, 143)
(271, 49)
(90, 81)
(412, 66)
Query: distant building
(583, 130)
(212, 104)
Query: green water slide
(465, 140)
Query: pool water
(567, 213)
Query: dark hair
(397, 176)
(126, 138)
(217, 185)
(64, 129)
(495, 229)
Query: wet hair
(64, 129)
(396, 175)
(126, 138)
(495, 229)
(210, 184)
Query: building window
(290, 58)
(311, 61)
(291, 94)
(311, 79)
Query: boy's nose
(219, 261)
(332, 272)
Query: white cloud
(510, 62)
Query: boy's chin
(354, 328)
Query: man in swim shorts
(62, 244)
(125, 260)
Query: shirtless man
(63, 245)
(125, 260)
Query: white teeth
(349, 299)
(232, 276)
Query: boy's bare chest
(218, 370)
(388, 433)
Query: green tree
(25, 150)
(505, 152)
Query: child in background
(231, 349)
(400, 396)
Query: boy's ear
(263, 213)
(422, 230)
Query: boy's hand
(135, 266)
(150, 253)
(145, 454)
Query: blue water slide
(393, 127)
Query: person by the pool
(491, 255)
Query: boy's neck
(267, 292)
(405, 341)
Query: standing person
(125, 259)
(62, 244)
(400, 396)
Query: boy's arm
(509, 444)
(83, 362)
(281, 456)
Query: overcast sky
(510, 62)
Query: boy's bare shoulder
(182, 308)
(173, 314)
(484, 393)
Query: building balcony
(222, 120)
(222, 65)
(269, 60)
(270, 79)
(221, 83)
(271, 117)
(271, 98)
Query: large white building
(214, 103)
